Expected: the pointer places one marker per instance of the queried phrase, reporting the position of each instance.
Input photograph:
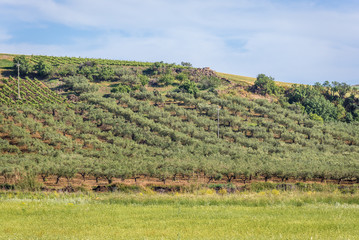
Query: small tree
(186, 64)
(121, 89)
(188, 87)
(43, 69)
(209, 82)
(265, 85)
(25, 66)
(144, 80)
(166, 80)
(105, 73)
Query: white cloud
(298, 42)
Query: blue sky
(302, 41)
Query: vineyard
(32, 92)
(58, 61)
(139, 130)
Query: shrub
(44, 69)
(25, 66)
(182, 77)
(121, 89)
(186, 64)
(80, 84)
(144, 80)
(209, 83)
(265, 85)
(128, 188)
(105, 73)
(188, 87)
(29, 183)
(166, 80)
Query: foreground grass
(266, 215)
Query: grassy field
(247, 81)
(264, 215)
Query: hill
(113, 120)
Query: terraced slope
(139, 131)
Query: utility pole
(18, 80)
(218, 122)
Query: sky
(300, 41)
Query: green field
(264, 215)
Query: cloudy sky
(301, 41)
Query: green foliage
(186, 64)
(29, 183)
(315, 117)
(144, 80)
(105, 73)
(44, 69)
(130, 134)
(298, 93)
(265, 85)
(321, 106)
(166, 80)
(121, 89)
(80, 84)
(67, 70)
(209, 82)
(326, 100)
(25, 66)
(188, 87)
(182, 77)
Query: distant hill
(113, 120)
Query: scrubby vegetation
(118, 120)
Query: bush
(29, 183)
(209, 82)
(265, 85)
(188, 87)
(121, 89)
(67, 70)
(25, 66)
(186, 64)
(128, 188)
(315, 117)
(182, 77)
(44, 69)
(80, 84)
(166, 80)
(144, 80)
(105, 73)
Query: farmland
(163, 122)
(112, 149)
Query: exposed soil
(170, 185)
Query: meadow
(264, 215)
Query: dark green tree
(25, 66)
(44, 69)
(265, 85)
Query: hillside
(113, 120)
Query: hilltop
(112, 120)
